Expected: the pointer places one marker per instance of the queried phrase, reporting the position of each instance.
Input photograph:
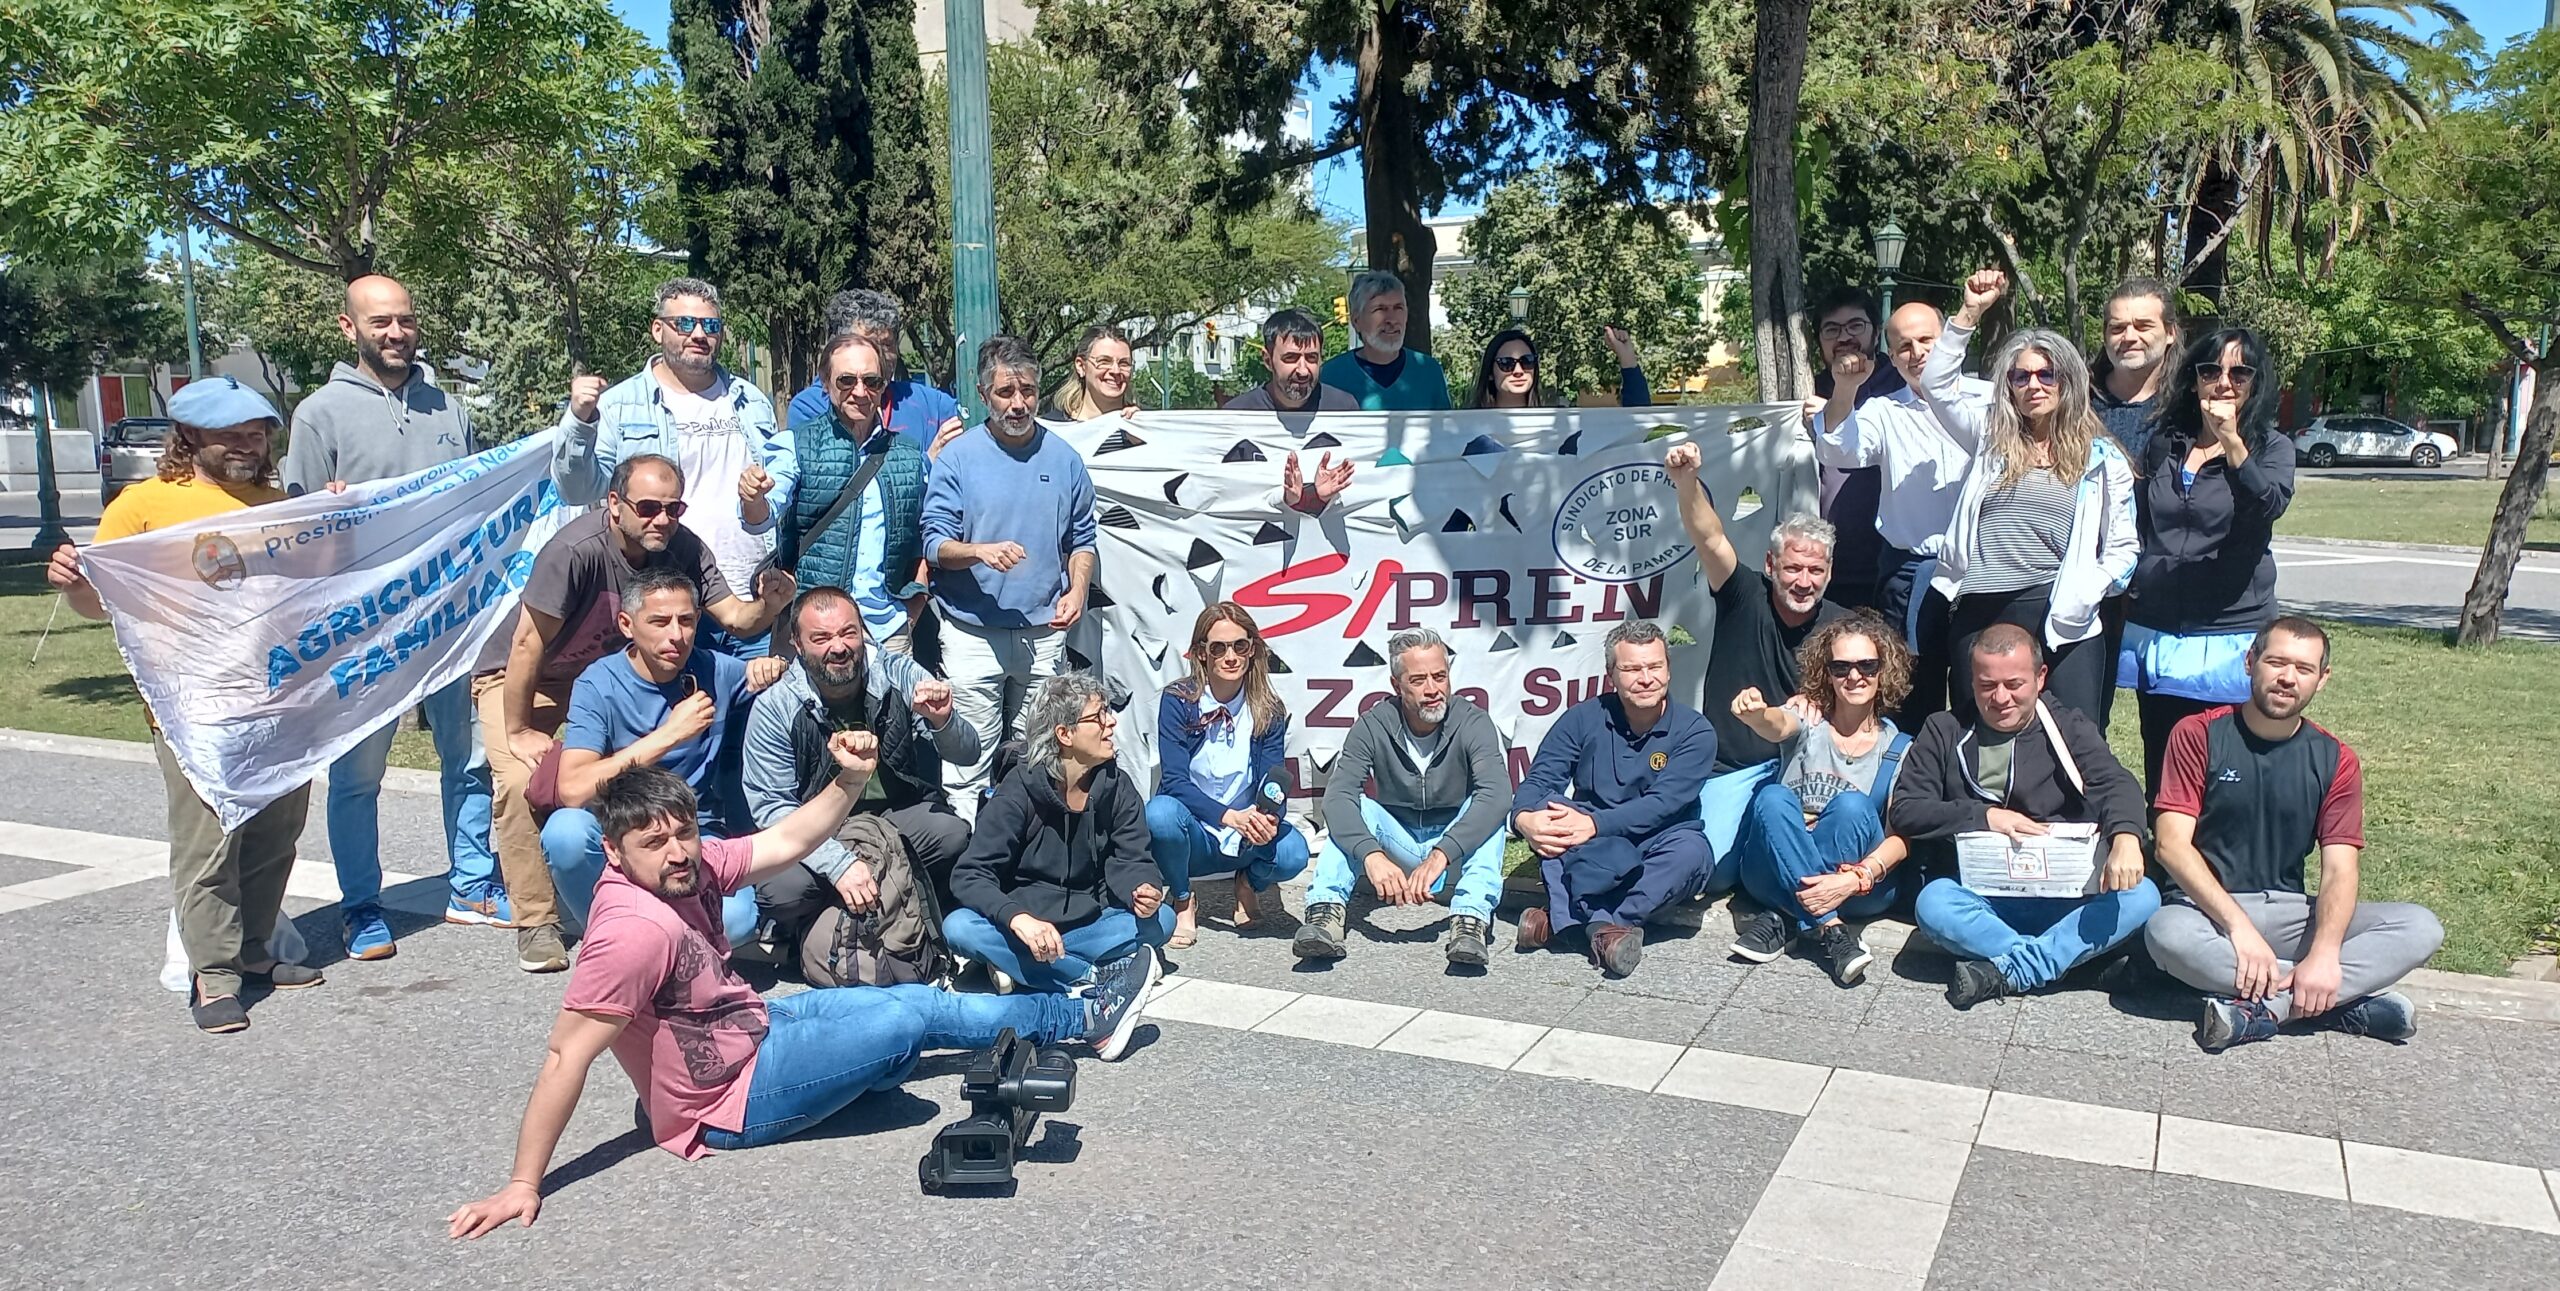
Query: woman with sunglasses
(2043, 532)
(1099, 385)
(2216, 475)
(1507, 377)
(1814, 851)
(1221, 734)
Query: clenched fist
(584, 393)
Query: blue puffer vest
(828, 459)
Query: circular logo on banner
(1621, 525)
(218, 562)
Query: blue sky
(1338, 181)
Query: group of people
(794, 689)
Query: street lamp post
(49, 531)
(1519, 304)
(1889, 242)
(973, 200)
(187, 275)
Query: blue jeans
(354, 809)
(1722, 806)
(1479, 872)
(1182, 844)
(2032, 940)
(1778, 853)
(573, 844)
(1106, 937)
(826, 1048)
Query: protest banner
(269, 641)
(1521, 537)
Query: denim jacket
(632, 419)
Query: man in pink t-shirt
(716, 1066)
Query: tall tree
(61, 319)
(2472, 208)
(1780, 30)
(1448, 98)
(813, 172)
(295, 126)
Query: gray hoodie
(355, 431)
(1464, 788)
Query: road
(1702, 1124)
(2391, 585)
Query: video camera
(1008, 1087)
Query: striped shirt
(2025, 528)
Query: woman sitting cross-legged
(1057, 886)
(1814, 852)
(1221, 734)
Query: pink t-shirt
(690, 1047)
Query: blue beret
(216, 402)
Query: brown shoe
(1534, 929)
(1616, 948)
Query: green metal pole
(187, 274)
(49, 531)
(973, 198)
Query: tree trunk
(2217, 204)
(1392, 151)
(2486, 605)
(1777, 258)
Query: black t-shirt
(1751, 648)
(2261, 805)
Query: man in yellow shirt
(230, 886)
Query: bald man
(379, 418)
(1924, 467)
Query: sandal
(1186, 928)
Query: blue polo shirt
(1634, 786)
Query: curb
(394, 779)
(2283, 538)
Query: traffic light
(1342, 311)
(1211, 326)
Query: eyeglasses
(1516, 363)
(1842, 331)
(862, 381)
(2020, 378)
(2240, 373)
(1104, 718)
(1841, 668)
(1242, 646)
(651, 508)
(685, 323)
(1109, 365)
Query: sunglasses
(685, 323)
(2238, 372)
(2020, 378)
(872, 381)
(1841, 668)
(651, 508)
(1516, 363)
(1221, 649)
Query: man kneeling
(1437, 761)
(716, 1066)
(2245, 793)
(1610, 805)
(2021, 768)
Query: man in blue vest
(870, 546)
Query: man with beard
(1843, 324)
(229, 884)
(719, 428)
(1437, 762)
(1379, 373)
(379, 418)
(1293, 347)
(1009, 534)
(843, 685)
(717, 1067)
(1610, 806)
(571, 618)
(2245, 794)
(869, 544)
(1762, 619)
(2133, 367)
(1922, 469)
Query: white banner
(1520, 537)
(269, 641)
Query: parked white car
(2362, 437)
(129, 453)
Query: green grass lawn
(2455, 512)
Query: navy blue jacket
(1179, 732)
(1634, 786)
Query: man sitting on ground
(717, 1067)
(2023, 767)
(1437, 763)
(843, 685)
(1610, 805)
(2245, 793)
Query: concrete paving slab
(2073, 1131)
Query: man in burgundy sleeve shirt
(2245, 794)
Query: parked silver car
(2363, 437)
(129, 453)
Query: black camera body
(1008, 1087)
